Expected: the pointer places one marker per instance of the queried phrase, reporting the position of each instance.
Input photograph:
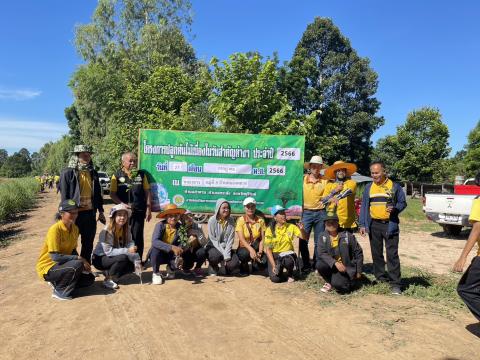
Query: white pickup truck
(450, 211)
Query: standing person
(279, 238)
(313, 213)
(130, 186)
(165, 243)
(221, 235)
(250, 230)
(59, 263)
(115, 252)
(340, 257)
(469, 286)
(79, 182)
(382, 201)
(343, 190)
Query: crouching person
(59, 262)
(115, 252)
(340, 257)
(279, 238)
(194, 252)
(165, 243)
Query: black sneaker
(396, 290)
(306, 269)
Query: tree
(333, 88)
(3, 156)
(472, 152)
(419, 148)
(17, 165)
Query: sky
(426, 53)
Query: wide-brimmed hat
(170, 209)
(316, 159)
(119, 207)
(67, 205)
(249, 200)
(276, 209)
(82, 148)
(330, 171)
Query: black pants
(469, 287)
(137, 224)
(284, 262)
(115, 266)
(244, 256)
(194, 256)
(378, 236)
(339, 281)
(68, 277)
(215, 257)
(87, 225)
(159, 257)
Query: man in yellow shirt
(130, 187)
(343, 190)
(313, 213)
(79, 182)
(469, 286)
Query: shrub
(17, 195)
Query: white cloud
(16, 134)
(20, 94)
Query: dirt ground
(222, 317)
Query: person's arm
(212, 233)
(472, 239)
(114, 189)
(64, 184)
(363, 211)
(98, 196)
(61, 258)
(229, 239)
(324, 255)
(241, 238)
(270, 258)
(358, 254)
(157, 236)
(106, 241)
(148, 197)
(401, 201)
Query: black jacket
(70, 187)
(350, 251)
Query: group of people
(180, 244)
(47, 181)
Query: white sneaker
(110, 284)
(51, 285)
(157, 279)
(291, 280)
(211, 271)
(170, 273)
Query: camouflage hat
(82, 148)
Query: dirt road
(220, 318)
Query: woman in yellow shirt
(279, 238)
(59, 262)
(250, 230)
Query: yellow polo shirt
(114, 183)
(334, 241)
(86, 190)
(169, 234)
(474, 217)
(346, 213)
(283, 239)
(312, 193)
(59, 239)
(256, 228)
(378, 200)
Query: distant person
(342, 190)
(130, 186)
(340, 257)
(115, 253)
(469, 286)
(382, 202)
(250, 229)
(313, 213)
(279, 237)
(79, 182)
(59, 263)
(221, 235)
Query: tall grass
(17, 195)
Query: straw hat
(330, 171)
(316, 159)
(170, 209)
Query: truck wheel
(452, 229)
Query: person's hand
(259, 255)
(363, 231)
(132, 250)
(149, 214)
(340, 267)
(300, 225)
(253, 253)
(177, 250)
(126, 205)
(101, 218)
(333, 200)
(275, 269)
(458, 266)
(389, 208)
(338, 188)
(358, 276)
(86, 265)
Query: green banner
(194, 169)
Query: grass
(17, 195)
(418, 284)
(413, 218)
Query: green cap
(331, 216)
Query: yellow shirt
(474, 217)
(334, 241)
(59, 239)
(223, 223)
(346, 213)
(378, 200)
(283, 239)
(256, 228)
(114, 183)
(86, 190)
(169, 234)
(312, 193)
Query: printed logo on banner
(178, 200)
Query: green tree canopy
(471, 159)
(17, 165)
